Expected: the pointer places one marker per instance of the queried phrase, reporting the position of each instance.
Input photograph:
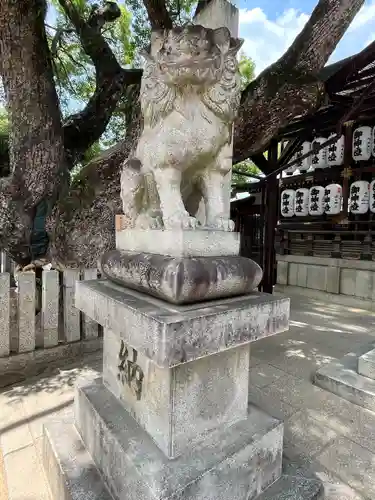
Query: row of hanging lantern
(314, 201)
(363, 147)
(319, 200)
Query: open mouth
(189, 62)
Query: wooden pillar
(271, 213)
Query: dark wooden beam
(348, 70)
(289, 151)
(261, 162)
(271, 216)
(246, 174)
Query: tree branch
(82, 226)
(158, 14)
(82, 129)
(290, 86)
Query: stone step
(366, 364)
(294, 488)
(70, 469)
(236, 462)
(342, 378)
(73, 475)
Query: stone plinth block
(366, 364)
(179, 243)
(341, 377)
(236, 462)
(178, 406)
(73, 475)
(170, 334)
(70, 471)
(182, 280)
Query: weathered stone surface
(182, 280)
(294, 488)
(73, 475)
(179, 406)
(237, 462)
(4, 314)
(50, 308)
(178, 243)
(26, 312)
(366, 364)
(70, 470)
(282, 273)
(219, 13)
(341, 378)
(72, 328)
(169, 334)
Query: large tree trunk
(82, 225)
(36, 145)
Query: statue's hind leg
(175, 216)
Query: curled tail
(132, 189)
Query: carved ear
(221, 37)
(236, 44)
(157, 40)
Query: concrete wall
(343, 278)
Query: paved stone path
(324, 434)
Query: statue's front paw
(181, 221)
(146, 221)
(222, 224)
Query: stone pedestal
(170, 418)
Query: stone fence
(344, 281)
(39, 324)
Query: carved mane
(156, 97)
(223, 98)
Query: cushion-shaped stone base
(182, 280)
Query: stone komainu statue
(190, 94)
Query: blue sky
(270, 26)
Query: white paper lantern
(316, 200)
(291, 170)
(304, 165)
(332, 199)
(372, 196)
(287, 202)
(335, 152)
(359, 197)
(319, 160)
(362, 143)
(301, 202)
